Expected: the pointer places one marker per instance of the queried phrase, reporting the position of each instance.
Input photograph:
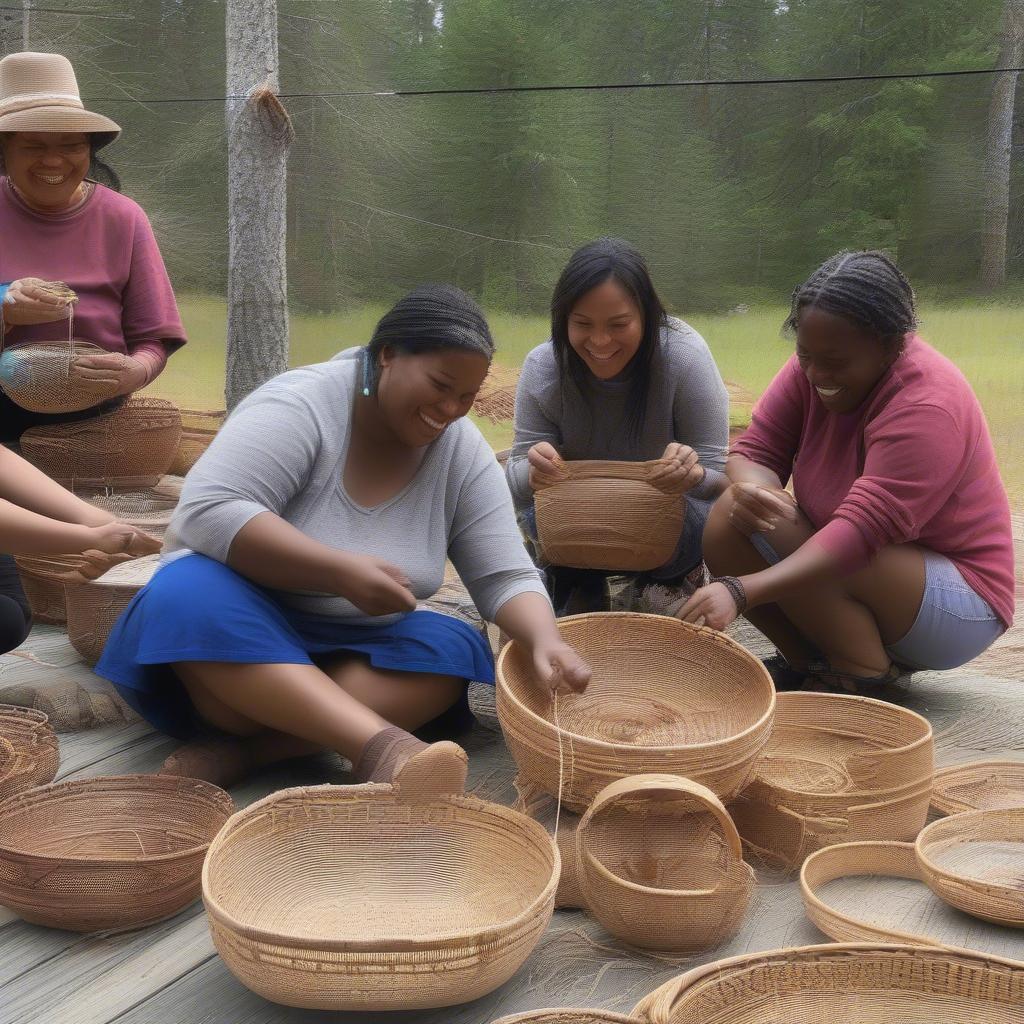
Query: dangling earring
(366, 373)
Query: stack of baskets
(665, 697)
(198, 429)
(838, 769)
(30, 755)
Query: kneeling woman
(897, 550)
(323, 511)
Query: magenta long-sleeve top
(913, 464)
(106, 252)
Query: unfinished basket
(978, 786)
(95, 605)
(44, 578)
(665, 697)
(36, 753)
(146, 509)
(378, 897)
(114, 852)
(37, 376)
(131, 447)
(198, 429)
(657, 861)
(843, 984)
(838, 768)
(975, 862)
(605, 515)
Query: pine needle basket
(109, 853)
(665, 697)
(374, 898)
(35, 748)
(93, 606)
(606, 515)
(855, 983)
(146, 509)
(129, 448)
(8, 766)
(657, 861)
(978, 786)
(975, 862)
(44, 578)
(838, 769)
(198, 429)
(37, 376)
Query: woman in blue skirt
(285, 614)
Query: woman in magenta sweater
(894, 549)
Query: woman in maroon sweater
(894, 548)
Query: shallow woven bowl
(38, 377)
(838, 769)
(94, 606)
(35, 748)
(665, 697)
(606, 516)
(975, 862)
(978, 786)
(198, 429)
(131, 447)
(855, 983)
(113, 852)
(346, 897)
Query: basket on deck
(37, 376)
(378, 897)
(606, 515)
(665, 696)
(114, 852)
(657, 861)
(978, 786)
(198, 429)
(36, 753)
(93, 606)
(838, 769)
(975, 862)
(857, 983)
(131, 447)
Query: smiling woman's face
(47, 167)
(605, 329)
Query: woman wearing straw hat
(74, 246)
(286, 611)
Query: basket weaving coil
(361, 897)
(838, 769)
(93, 606)
(978, 786)
(114, 852)
(36, 753)
(975, 862)
(665, 697)
(657, 861)
(606, 515)
(843, 984)
(131, 447)
(198, 429)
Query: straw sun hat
(39, 93)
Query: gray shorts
(953, 624)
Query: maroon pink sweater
(106, 252)
(914, 463)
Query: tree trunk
(259, 134)
(997, 154)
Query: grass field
(985, 341)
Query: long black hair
(866, 289)
(589, 266)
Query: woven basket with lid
(606, 515)
(113, 852)
(665, 697)
(657, 860)
(36, 753)
(378, 897)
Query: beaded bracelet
(736, 591)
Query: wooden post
(259, 133)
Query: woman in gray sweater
(286, 613)
(619, 379)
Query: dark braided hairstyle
(866, 289)
(431, 318)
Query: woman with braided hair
(285, 615)
(894, 548)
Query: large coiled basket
(665, 697)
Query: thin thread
(561, 763)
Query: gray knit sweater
(284, 449)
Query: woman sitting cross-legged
(895, 549)
(286, 613)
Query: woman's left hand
(110, 374)
(679, 470)
(712, 606)
(560, 668)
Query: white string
(561, 763)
